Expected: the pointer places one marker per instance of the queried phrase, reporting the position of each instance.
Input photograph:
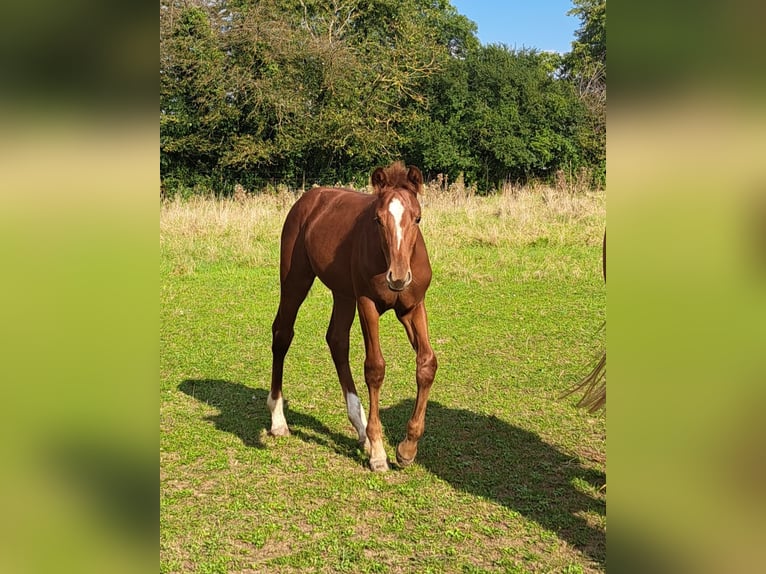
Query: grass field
(508, 478)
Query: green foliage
(589, 47)
(585, 68)
(501, 115)
(306, 91)
(521, 120)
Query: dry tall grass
(244, 230)
(517, 216)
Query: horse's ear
(378, 179)
(414, 175)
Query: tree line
(298, 92)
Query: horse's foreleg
(416, 325)
(343, 311)
(374, 371)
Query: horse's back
(321, 225)
(327, 213)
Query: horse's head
(397, 214)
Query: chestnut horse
(368, 250)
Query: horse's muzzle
(398, 284)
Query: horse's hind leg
(343, 312)
(295, 286)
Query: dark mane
(396, 176)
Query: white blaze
(397, 209)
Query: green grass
(508, 476)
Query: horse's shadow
(479, 454)
(490, 458)
(243, 413)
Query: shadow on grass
(485, 456)
(243, 413)
(116, 482)
(482, 455)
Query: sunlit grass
(508, 476)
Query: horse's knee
(281, 339)
(374, 371)
(426, 368)
(338, 343)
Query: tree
(499, 115)
(195, 110)
(585, 66)
(305, 91)
(522, 120)
(297, 90)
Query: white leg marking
(277, 414)
(397, 209)
(378, 458)
(356, 415)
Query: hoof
(401, 460)
(365, 446)
(280, 431)
(379, 465)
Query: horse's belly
(337, 284)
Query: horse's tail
(594, 384)
(594, 387)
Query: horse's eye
(417, 219)
(377, 220)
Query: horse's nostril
(398, 284)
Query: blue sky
(541, 24)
